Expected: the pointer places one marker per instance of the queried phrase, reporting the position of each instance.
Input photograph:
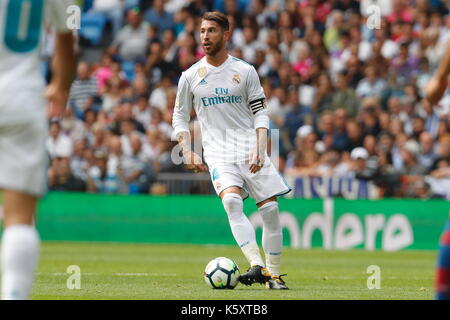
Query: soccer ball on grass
(221, 273)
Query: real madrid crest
(236, 78)
(202, 72)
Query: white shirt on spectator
(143, 117)
(174, 6)
(368, 89)
(62, 146)
(389, 49)
(163, 127)
(364, 50)
(127, 150)
(103, 5)
(158, 98)
(306, 94)
(439, 186)
(292, 53)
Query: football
(221, 273)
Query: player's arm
(257, 104)
(437, 85)
(257, 158)
(180, 123)
(63, 72)
(64, 58)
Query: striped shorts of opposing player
(443, 266)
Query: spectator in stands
(112, 9)
(405, 65)
(427, 155)
(131, 41)
(156, 66)
(141, 111)
(418, 126)
(355, 134)
(158, 97)
(58, 144)
(112, 95)
(330, 164)
(126, 115)
(372, 84)
(170, 47)
(370, 144)
(78, 164)
(104, 72)
(431, 118)
(132, 168)
(157, 16)
(343, 96)
(157, 123)
(84, 90)
(324, 94)
(369, 121)
(72, 126)
(358, 165)
(99, 178)
(61, 178)
(340, 137)
(411, 166)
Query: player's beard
(215, 48)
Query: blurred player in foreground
(230, 105)
(23, 128)
(434, 91)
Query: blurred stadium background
(367, 157)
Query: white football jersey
(22, 24)
(225, 99)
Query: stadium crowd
(346, 95)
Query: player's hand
(57, 100)
(256, 162)
(434, 89)
(194, 162)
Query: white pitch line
(117, 274)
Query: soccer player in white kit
(230, 105)
(23, 127)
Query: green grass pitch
(146, 271)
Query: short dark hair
(220, 18)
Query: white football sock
(272, 237)
(19, 256)
(242, 229)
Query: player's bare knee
(262, 203)
(228, 190)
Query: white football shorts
(260, 186)
(23, 157)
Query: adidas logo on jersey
(203, 82)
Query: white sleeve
(57, 14)
(257, 100)
(183, 106)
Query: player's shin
(19, 256)
(272, 238)
(242, 229)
